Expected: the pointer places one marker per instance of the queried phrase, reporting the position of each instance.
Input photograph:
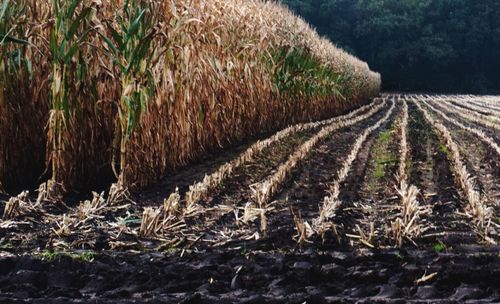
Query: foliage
(298, 73)
(65, 43)
(16, 76)
(130, 46)
(85, 256)
(439, 247)
(433, 45)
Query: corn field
(133, 90)
(222, 151)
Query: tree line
(417, 45)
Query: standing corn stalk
(213, 85)
(14, 69)
(132, 33)
(66, 38)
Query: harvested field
(395, 202)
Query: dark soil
(224, 276)
(236, 192)
(309, 182)
(378, 190)
(432, 173)
(490, 132)
(483, 163)
(356, 202)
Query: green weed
(6, 246)
(382, 162)
(439, 247)
(384, 136)
(444, 149)
(49, 255)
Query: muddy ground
(224, 276)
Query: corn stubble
(199, 190)
(143, 87)
(408, 223)
(470, 104)
(331, 203)
(478, 207)
(488, 140)
(474, 116)
(263, 191)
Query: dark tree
(417, 45)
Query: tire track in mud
(431, 172)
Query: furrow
(489, 107)
(408, 222)
(257, 209)
(470, 115)
(477, 208)
(490, 141)
(264, 191)
(253, 212)
(331, 203)
(468, 104)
